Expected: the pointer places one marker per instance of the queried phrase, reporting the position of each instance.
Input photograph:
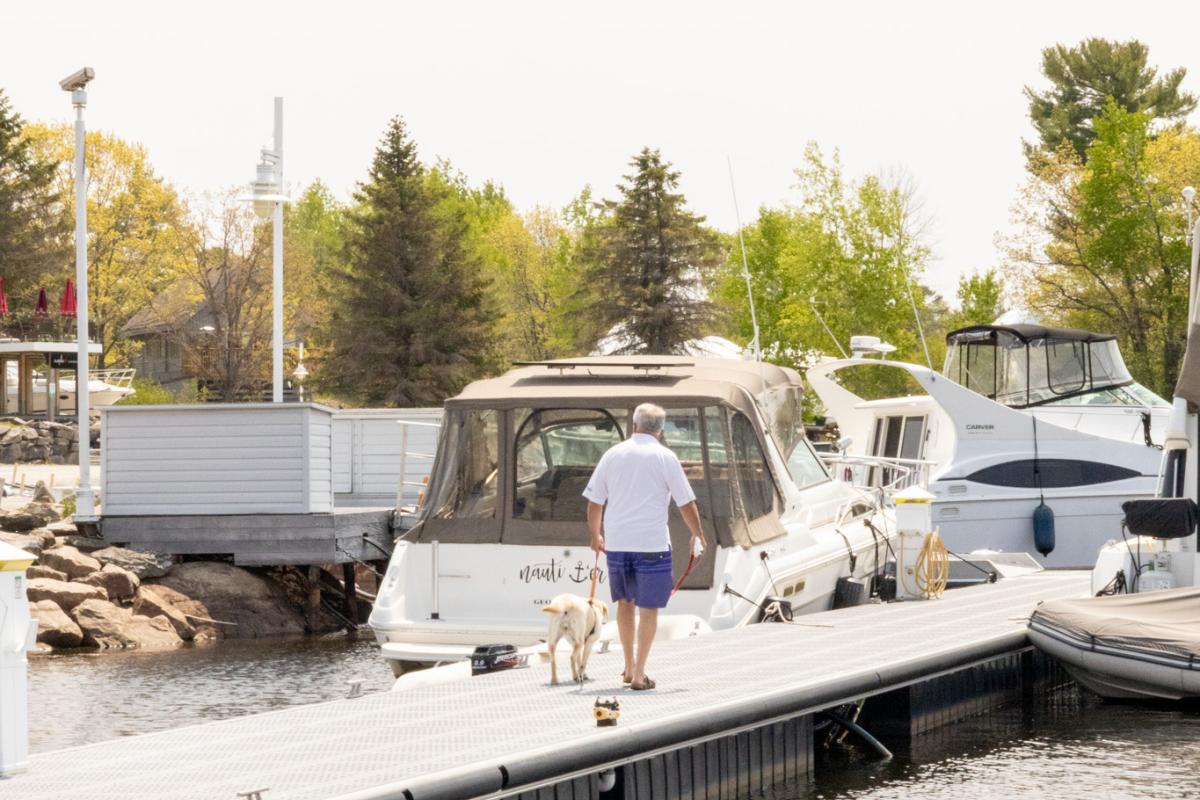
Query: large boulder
(108, 626)
(34, 515)
(119, 583)
(62, 528)
(55, 628)
(84, 544)
(42, 571)
(67, 594)
(154, 601)
(257, 606)
(34, 545)
(144, 565)
(69, 560)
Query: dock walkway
(504, 733)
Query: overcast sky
(547, 97)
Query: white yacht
(503, 529)
(1021, 414)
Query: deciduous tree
(137, 227)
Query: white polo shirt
(635, 482)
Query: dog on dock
(579, 622)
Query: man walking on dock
(629, 495)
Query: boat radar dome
(861, 346)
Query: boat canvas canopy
(1165, 622)
(1028, 365)
(518, 450)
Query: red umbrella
(3, 300)
(67, 307)
(42, 309)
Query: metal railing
(119, 377)
(405, 454)
(874, 473)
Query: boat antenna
(812, 302)
(917, 316)
(755, 344)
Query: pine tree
(648, 257)
(412, 317)
(1083, 78)
(30, 227)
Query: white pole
(277, 291)
(85, 510)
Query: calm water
(77, 699)
(1071, 747)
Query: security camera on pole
(268, 199)
(85, 507)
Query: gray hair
(649, 418)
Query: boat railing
(118, 377)
(879, 472)
(406, 454)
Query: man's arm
(595, 525)
(691, 518)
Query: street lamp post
(85, 507)
(268, 201)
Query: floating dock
(733, 715)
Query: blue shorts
(643, 579)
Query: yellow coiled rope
(933, 567)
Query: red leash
(595, 576)
(692, 559)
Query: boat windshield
(526, 486)
(1021, 372)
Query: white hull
(493, 593)
(1119, 674)
(1083, 523)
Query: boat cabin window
(1034, 368)
(556, 452)
(896, 436)
(755, 485)
(467, 480)
(805, 466)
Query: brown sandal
(647, 683)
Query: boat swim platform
(732, 715)
(260, 540)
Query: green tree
(312, 253)
(412, 318)
(846, 257)
(646, 259)
(31, 227)
(137, 227)
(1103, 243)
(980, 299)
(1083, 79)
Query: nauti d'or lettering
(555, 571)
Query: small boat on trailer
(503, 529)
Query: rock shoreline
(85, 595)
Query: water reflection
(1072, 747)
(77, 699)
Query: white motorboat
(1139, 637)
(503, 529)
(1020, 415)
(105, 388)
